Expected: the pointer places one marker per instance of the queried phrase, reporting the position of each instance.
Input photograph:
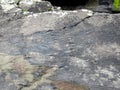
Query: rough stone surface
(71, 48)
(35, 6)
(51, 21)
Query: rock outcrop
(35, 6)
(59, 50)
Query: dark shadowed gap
(68, 4)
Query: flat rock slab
(71, 46)
(51, 21)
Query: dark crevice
(71, 26)
(68, 4)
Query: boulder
(35, 6)
(58, 49)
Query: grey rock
(6, 85)
(8, 4)
(41, 7)
(85, 48)
(45, 87)
(34, 6)
(55, 20)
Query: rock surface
(35, 6)
(59, 49)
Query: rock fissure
(77, 23)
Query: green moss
(24, 10)
(49, 9)
(116, 5)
